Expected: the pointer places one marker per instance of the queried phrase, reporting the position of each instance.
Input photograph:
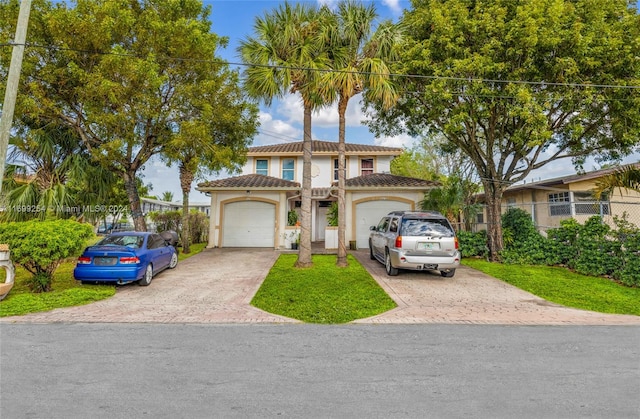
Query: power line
(392, 75)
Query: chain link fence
(547, 215)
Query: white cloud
(403, 141)
(273, 131)
(394, 5)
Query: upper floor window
(262, 167)
(335, 169)
(366, 167)
(288, 169)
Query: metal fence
(546, 215)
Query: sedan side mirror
(373, 228)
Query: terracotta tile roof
(322, 147)
(248, 182)
(386, 180)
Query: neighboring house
(553, 200)
(150, 204)
(251, 210)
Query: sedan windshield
(130, 241)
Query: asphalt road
(81, 370)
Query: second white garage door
(249, 224)
(369, 214)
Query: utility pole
(12, 83)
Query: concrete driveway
(217, 285)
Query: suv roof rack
(425, 213)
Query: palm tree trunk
(186, 179)
(304, 253)
(342, 249)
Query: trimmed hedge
(40, 246)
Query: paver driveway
(217, 285)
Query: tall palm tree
(359, 60)
(627, 177)
(283, 57)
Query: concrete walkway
(217, 285)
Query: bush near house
(593, 248)
(40, 246)
(172, 220)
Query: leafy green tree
(516, 85)
(283, 56)
(217, 140)
(359, 60)
(123, 75)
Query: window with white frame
(559, 204)
(335, 169)
(366, 166)
(288, 169)
(262, 167)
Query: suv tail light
(84, 260)
(129, 260)
(455, 240)
(398, 244)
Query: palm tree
(359, 60)
(627, 177)
(167, 196)
(50, 179)
(283, 57)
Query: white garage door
(369, 214)
(249, 224)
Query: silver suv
(416, 241)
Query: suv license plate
(430, 267)
(428, 246)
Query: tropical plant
(283, 57)
(167, 196)
(627, 177)
(359, 60)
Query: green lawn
(323, 293)
(66, 291)
(561, 286)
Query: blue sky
(282, 122)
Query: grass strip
(562, 286)
(323, 293)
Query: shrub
(597, 254)
(523, 243)
(40, 246)
(563, 242)
(473, 244)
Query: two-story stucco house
(251, 210)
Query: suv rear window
(426, 227)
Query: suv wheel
(391, 271)
(449, 274)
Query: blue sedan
(126, 257)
